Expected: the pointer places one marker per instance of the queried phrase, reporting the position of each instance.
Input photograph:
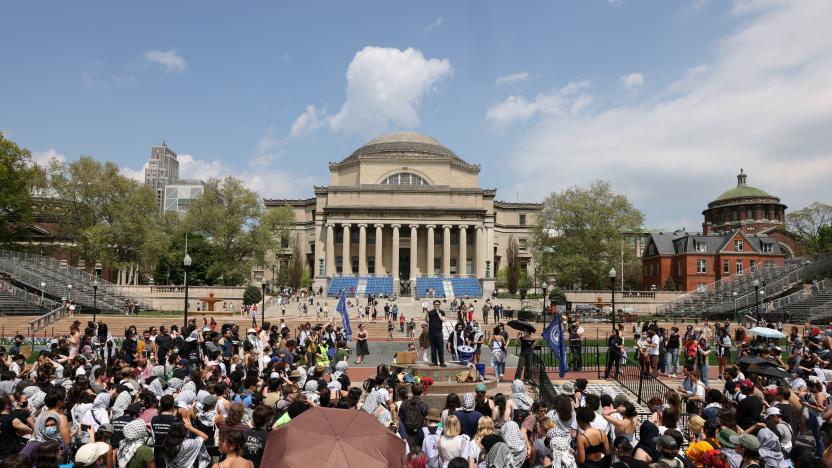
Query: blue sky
(666, 99)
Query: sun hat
(567, 388)
(433, 415)
(724, 437)
(773, 411)
(88, 454)
(747, 441)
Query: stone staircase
(361, 288)
(449, 289)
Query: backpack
(519, 415)
(430, 446)
(410, 414)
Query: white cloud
(632, 80)
(307, 122)
(570, 99)
(135, 174)
(170, 59)
(764, 104)
(43, 158)
(385, 87)
(437, 22)
(513, 78)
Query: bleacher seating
(424, 284)
(348, 284)
(382, 285)
(13, 305)
(466, 287)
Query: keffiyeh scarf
(514, 439)
(122, 401)
(135, 433)
(40, 426)
(518, 394)
(499, 457)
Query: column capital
(480, 226)
(346, 225)
(396, 226)
(378, 226)
(414, 226)
(463, 226)
(330, 224)
(431, 226)
(363, 225)
(446, 226)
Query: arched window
(404, 178)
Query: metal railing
(631, 377)
(583, 358)
(26, 296)
(47, 319)
(800, 296)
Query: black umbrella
(770, 371)
(521, 325)
(756, 361)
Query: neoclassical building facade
(404, 210)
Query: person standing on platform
(434, 318)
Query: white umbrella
(766, 332)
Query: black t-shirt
(613, 344)
(255, 442)
(526, 345)
(8, 437)
(163, 343)
(118, 430)
(161, 425)
(673, 342)
(435, 322)
(748, 411)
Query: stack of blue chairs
(466, 287)
(348, 284)
(379, 285)
(423, 284)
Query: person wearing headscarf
(190, 385)
(175, 383)
(36, 402)
(515, 441)
(133, 446)
(370, 403)
(47, 427)
(468, 416)
(497, 453)
(181, 452)
(206, 413)
(122, 401)
(157, 387)
(521, 399)
(31, 390)
(770, 450)
(559, 444)
(98, 413)
(311, 391)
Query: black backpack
(411, 416)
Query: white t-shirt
(655, 341)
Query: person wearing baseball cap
(774, 419)
(727, 447)
(747, 445)
(750, 408)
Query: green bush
(526, 314)
(252, 295)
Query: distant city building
(162, 170)
(178, 195)
(743, 229)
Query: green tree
(512, 264)
(112, 218)
(556, 294)
(583, 232)
(230, 217)
(16, 177)
(810, 223)
(252, 295)
(669, 285)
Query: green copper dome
(742, 190)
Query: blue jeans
(499, 368)
(703, 373)
(672, 364)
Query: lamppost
(736, 317)
(187, 263)
(94, 298)
(321, 269)
(69, 292)
(263, 309)
(612, 302)
(545, 288)
(756, 284)
(42, 289)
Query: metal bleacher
(347, 284)
(61, 281)
(16, 301)
(466, 287)
(379, 285)
(423, 284)
(737, 292)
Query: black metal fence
(583, 358)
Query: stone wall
(173, 297)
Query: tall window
(371, 265)
(522, 220)
(522, 243)
(738, 245)
(726, 267)
(752, 264)
(739, 267)
(404, 178)
(749, 214)
(701, 266)
(768, 247)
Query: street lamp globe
(187, 260)
(42, 285)
(756, 283)
(612, 274)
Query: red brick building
(744, 229)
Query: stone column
(379, 266)
(414, 257)
(479, 262)
(394, 255)
(462, 261)
(489, 250)
(347, 260)
(362, 250)
(446, 250)
(429, 269)
(330, 249)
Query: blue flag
(553, 334)
(345, 316)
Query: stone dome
(411, 143)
